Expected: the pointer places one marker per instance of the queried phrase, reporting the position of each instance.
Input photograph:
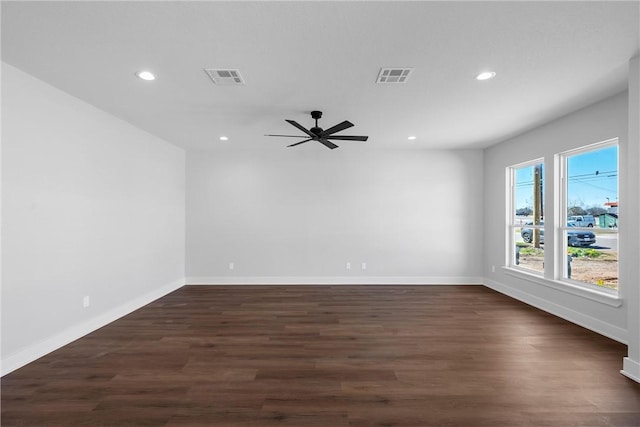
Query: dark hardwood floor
(329, 356)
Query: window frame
(511, 260)
(561, 215)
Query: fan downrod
(316, 130)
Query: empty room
(320, 213)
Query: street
(606, 242)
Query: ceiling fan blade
(299, 126)
(301, 142)
(348, 138)
(327, 143)
(287, 136)
(337, 128)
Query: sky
(592, 179)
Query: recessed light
(146, 75)
(224, 138)
(486, 75)
(411, 138)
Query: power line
(578, 178)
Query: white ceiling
(551, 58)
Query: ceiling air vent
(394, 75)
(225, 77)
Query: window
(589, 215)
(526, 216)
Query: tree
(524, 211)
(576, 210)
(596, 211)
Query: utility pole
(537, 203)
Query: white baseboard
(331, 280)
(631, 369)
(591, 323)
(35, 351)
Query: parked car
(582, 220)
(577, 238)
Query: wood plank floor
(329, 356)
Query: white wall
(599, 122)
(631, 367)
(92, 206)
(297, 215)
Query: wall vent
(225, 77)
(394, 75)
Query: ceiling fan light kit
(316, 133)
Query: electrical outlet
(493, 268)
(231, 266)
(348, 265)
(364, 266)
(86, 302)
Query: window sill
(583, 292)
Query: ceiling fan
(323, 136)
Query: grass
(528, 249)
(584, 253)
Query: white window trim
(582, 290)
(510, 216)
(560, 215)
(557, 220)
